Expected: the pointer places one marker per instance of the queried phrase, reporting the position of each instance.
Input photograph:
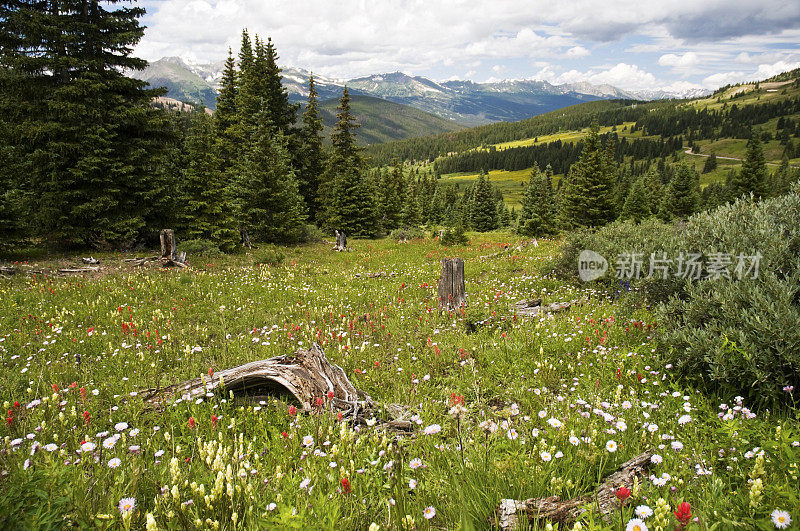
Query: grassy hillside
(384, 121)
(181, 84)
(729, 150)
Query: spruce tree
(311, 160)
(637, 204)
(752, 178)
(390, 196)
(710, 163)
(352, 202)
(282, 113)
(588, 198)
(271, 205)
(682, 196)
(83, 133)
(412, 213)
(484, 206)
(207, 213)
(226, 116)
(537, 217)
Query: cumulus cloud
(763, 71)
(622, 75)
(578, 51)
(678, 60)
(350, 38)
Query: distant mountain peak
(464, 101)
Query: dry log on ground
(452, 292)
(306, 377)
(79, 270)
(90, 261)
(552, 508)
(533, 308)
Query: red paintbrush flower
(623, 493)
(346, 486)
(684, 513)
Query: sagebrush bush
(741, 336)
(735, 336)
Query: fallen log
(532, 308)
(306, 378)
(90, 261)
(565, 512)
(79, 270)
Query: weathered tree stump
(341, 241)
(307, 378)
(169, 251)
(168, 245)
(565, 512)
(452, 293)
(245, 238)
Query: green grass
(384, 121)
(528, 390)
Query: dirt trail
(689, 152)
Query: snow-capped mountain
(466, 102)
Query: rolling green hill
(719, 124)
(384, 121)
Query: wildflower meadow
(504, 407)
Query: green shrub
(734, 336)
(311, 234)
(741, 337)
(407, 233)
(199, 248)
(454, 236)
(268, 255)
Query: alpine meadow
(310, 265)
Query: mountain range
(464, 102)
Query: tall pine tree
(588, 196)
(753, 176)
(352, 200)
(484, 206)
(537, 217)
(311, 160)
(83, 133)
(207, 212)
(682, 196)
(271, 205)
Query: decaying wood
(376, 274)
(452, 293)
(168, 245)
(552, 508)
(79, 270)
(306, 377)
(90, 261)
(341, 241)
(508, 248)
(533, 308)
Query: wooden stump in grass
(168, 246)
(452, 293)
(341, 241)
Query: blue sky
(634, 45)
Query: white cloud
(763, 71)
(349, 38)
(677, 60)
(578, 51)
(621, 75)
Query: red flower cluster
(623, 493)
(456, 400)
(346, 486)
(684, 513)
(192, 423)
